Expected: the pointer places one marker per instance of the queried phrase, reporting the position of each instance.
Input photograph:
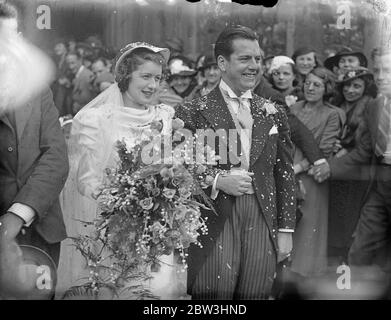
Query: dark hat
(332, 62)
(27, 272)
(354, 73)
(207, 62)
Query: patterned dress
(309, 255)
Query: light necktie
(244, 115)
(246, 121)
(383, 132)
(243, 123)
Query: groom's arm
(285, 187)
(284, 176)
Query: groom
(254, 196)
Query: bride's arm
(93, 151)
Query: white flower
(146, 203)
(351, 74)
(270, 108)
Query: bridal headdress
(125, 51)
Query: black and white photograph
(195, 151)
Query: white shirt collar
(224, 87)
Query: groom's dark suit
(273, 180)
(33, 169)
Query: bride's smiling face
(144, 82)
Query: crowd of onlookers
(83, 71)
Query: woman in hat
(357, 89)
(182, 78)
(345, 59)
(125, 110)
(212, 75)
(309, 256)
(283, 76)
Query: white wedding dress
(95, 131)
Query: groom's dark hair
(223, 46)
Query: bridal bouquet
(150, 206)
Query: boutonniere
(269, 108)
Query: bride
(123, 111)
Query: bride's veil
(109, 99)
(75, 206)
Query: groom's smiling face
(241, 69)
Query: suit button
(10, 149)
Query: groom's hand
(10, 226)
(235, 185)
(285, 244)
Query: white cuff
(215, 192)
(25, 212)
(286, 230)
(320, 161)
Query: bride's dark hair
(130, 64)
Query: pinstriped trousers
(242, 264)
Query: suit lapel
(21, 117)
(216, 112)
(261, 128)
(5, 119)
